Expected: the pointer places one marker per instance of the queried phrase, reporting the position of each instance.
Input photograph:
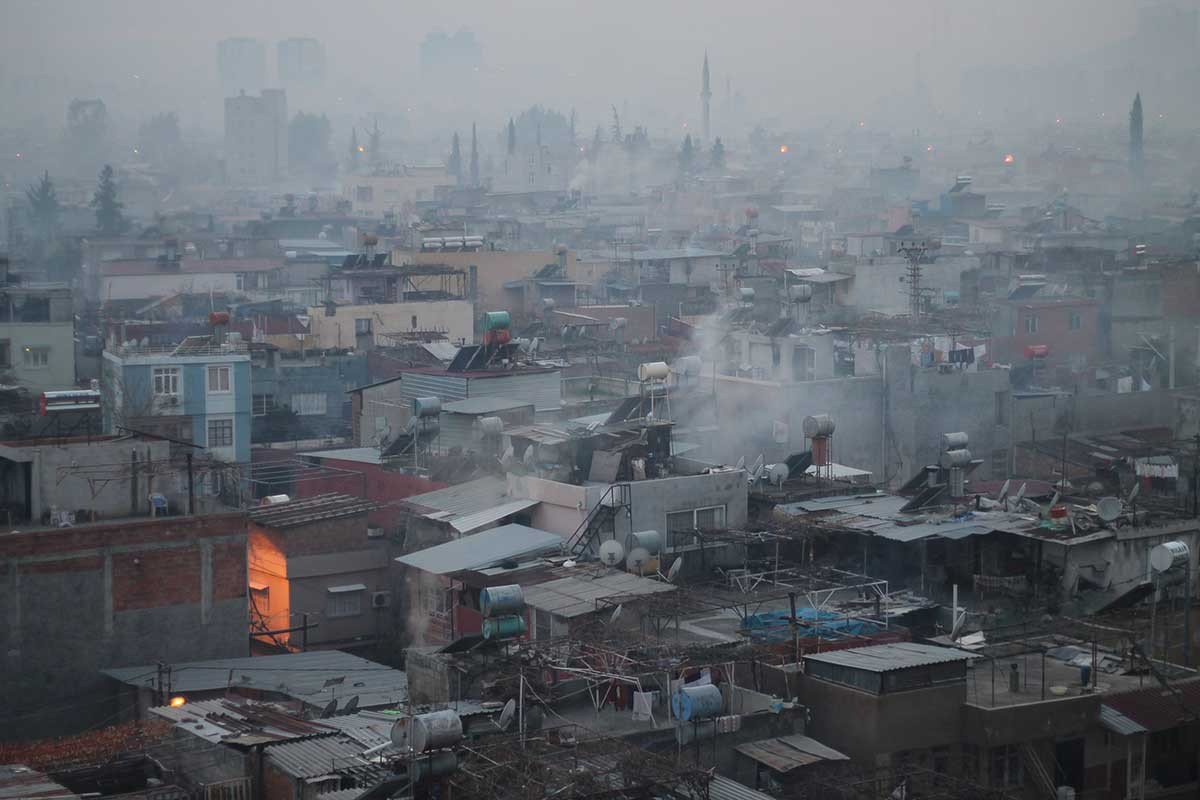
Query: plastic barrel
(697, 702)
(503, 627)
(497, 601)
(651, 541)
(496, 320)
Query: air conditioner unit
(381, 599)
(172, 400)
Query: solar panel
(463, 357)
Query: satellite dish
(329, 709)
(1020, 496)
(616, 614)
(352, 706)
(741, 463)
(528, 458)
(1108, 508)
(674, 570)
(1054, 499)
(506, 716)
(1004, 490)
(612, 552)
(1133, 493)
(957, 624)
(637, 558)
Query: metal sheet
(482, 549)
(888, 657)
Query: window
(542, 626)
(1001, 408)
(5, 353)
(414, 322)
(681, 525)
(218, 379)
(261, 404)
(364, 194)
(435, 598)
(1004, 766)
(220, 433)
(1031, 324)
(344, 601)
(311, 404)
(241, 281)
(803, 359)
(999, 464)
(37, 356)
(362, 327)
(1076, 321)
(166, 381)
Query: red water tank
(218, 318)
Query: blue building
(197, 391)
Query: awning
(482, 519)
(350, 587)
(1118, 723)
(786, 753)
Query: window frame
(1075, 321)
(338, 603)
(261, 404)
(160, 376)
(222, 421)
(219, 370)
(35, 357)
(299, 406)
(1031, 323)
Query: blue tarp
(813, 623)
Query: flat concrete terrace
(1047, 676)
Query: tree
(544, 126)
(474, 156)
(355, 149)
(572, 128)
(687, 154)
(597, 143)
(717, 157)
(375, 147)
(110, 220)
(43, 207)
(87, 136)
(512, 137)
(616, 127)
(309, 138)
(454, 163)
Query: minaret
(1136, 145)
(706, 96)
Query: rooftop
(294, 513)
(889, 657)
(18, 782)
(482, 550)
(786, 753)
(468, 506)
(314, 678)
(186, 266)
(484, 405)
(228, 721)
(576, 595)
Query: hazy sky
(804, 54)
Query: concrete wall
(652, 500)
(78, 600)
(494, 269)
(454, 317)
(135, 287)
(57, 337)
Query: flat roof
(294, 513)
(484, 549)
(889, 657)
(301, 676)
(484, 405)
(786, 753)
(576, 595)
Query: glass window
(343, 604)
(166, 381)
(309, 404)
(37, 356)
(362, 327)
(218, 379)
(1004, 766)
(803, 359)
(1031, 324)
(1076, 321)
(220, 433)
(261, 404)
(1001, 408)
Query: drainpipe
(133, 482)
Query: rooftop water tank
(697, 703)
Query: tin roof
(484, 405)
(576, 595)
(786, 753)
(19, 782)
(1118, 723)
(889, 657)
(227, 721)
(485, 549)
(328, 755)
(315, 677)
(1157, 709)
(312, 509)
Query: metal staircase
(600, 519)
(1035, 767)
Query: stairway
(600, 519)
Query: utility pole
(914, 250)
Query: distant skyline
(801, 61)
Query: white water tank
(1168, 555)
(653, 370)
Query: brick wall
(74, 601)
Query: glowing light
(1008, 159)
(929, 149)
(862, 124)
(18, 155)
(177, 701)
(783, 148)
(1058, 120)
(362, 149)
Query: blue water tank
(503, 627)
(696, 703)
(496, 601)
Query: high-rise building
(706, 98)
(241, 65)
(256, 138)
(300, 62)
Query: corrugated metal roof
(482, 519)
(576, 595)
(786, 753)
(298, 675)
(308, 510)
(463, 498)
(484, 405)
(19, 782)
(224, 720)
(1118, 723)
(482, 550)
(888, 657)
(720, 788)
(1157, 709)
(363, 455)
(329, 755)
(668, 255)
(341, 794)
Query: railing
(617, 496)
(1041, 775)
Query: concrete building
(163, 277)
(37, 336)
(241, 65)
(300, 61)
(375, 195)
(90, 597)
(312, 386)
(256, 138)
(345, 326)
(197, 391)
(1050, 330)
(317, 560)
